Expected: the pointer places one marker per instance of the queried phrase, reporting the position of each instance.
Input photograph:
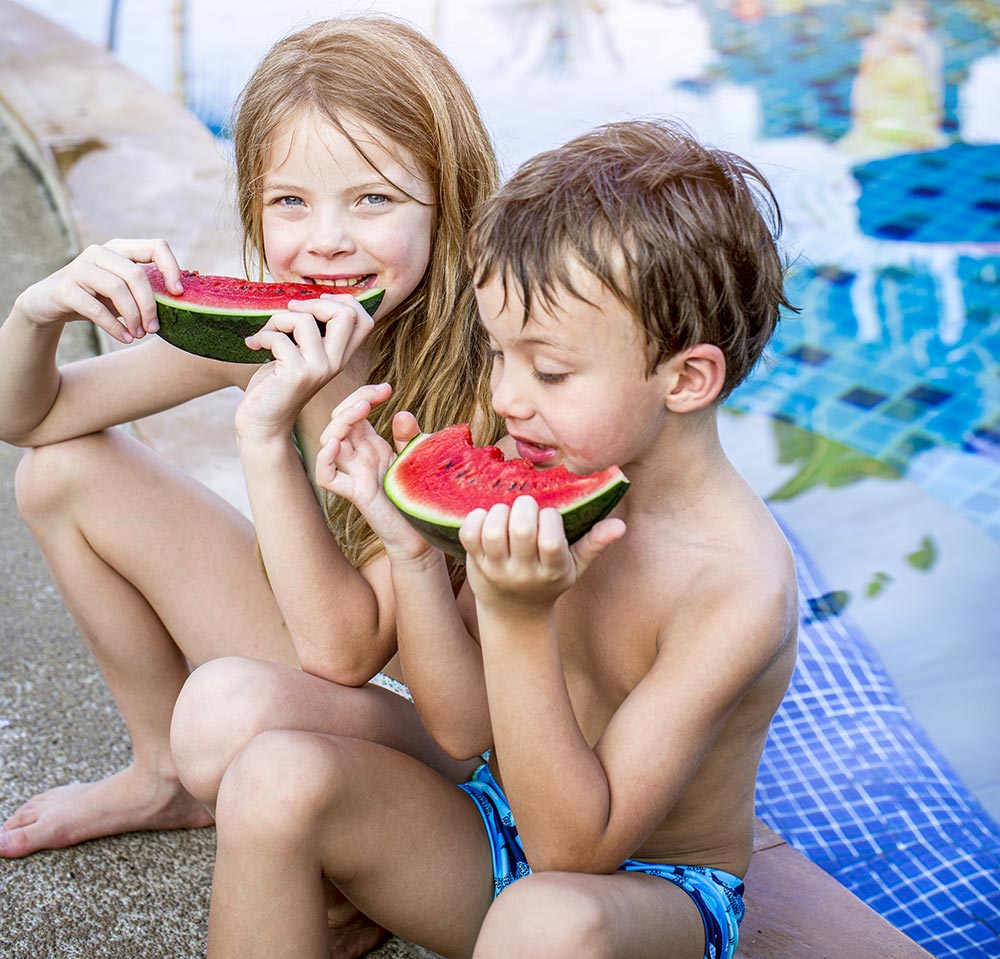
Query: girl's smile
(335, 217)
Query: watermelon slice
(439, 478)
(215, 314)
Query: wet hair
(685, 236)
(390, 77)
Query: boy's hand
(518, 556)
(353, 461)
(305, 360)
(107, 286)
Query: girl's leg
(230, 700)
(563, 915)
(156, 571)
(404, 845)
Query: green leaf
(924, 557)
(825, 462)
(878, 583)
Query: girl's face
(330, 217)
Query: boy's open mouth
(534, 453)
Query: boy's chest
(608, 640)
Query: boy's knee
(545, 914)
(222, 706)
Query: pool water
(873, 428)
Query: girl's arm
(341, 620)
(105, 285)
(441, 660)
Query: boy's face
(571, 384)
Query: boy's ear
(694, 378)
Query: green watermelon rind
(219, 334)
(441, 530)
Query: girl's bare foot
(127, 801)
(352, 933)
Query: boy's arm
(441, 661)
(612, 795)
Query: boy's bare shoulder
(719, 575)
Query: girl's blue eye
(289, 201)
(375, 199)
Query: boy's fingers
(596, 540)
(523, 528)
(496, 544)
(470, 533)
(551, 536)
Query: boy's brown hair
(683, 234)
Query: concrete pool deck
(91, 152)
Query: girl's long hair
(386, 74)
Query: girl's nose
(330, 235)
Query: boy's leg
(403, 844)
(228, 701)
(155, 569)
(563, 915)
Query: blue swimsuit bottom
(717, 894)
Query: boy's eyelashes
(496, 356)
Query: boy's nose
(509, 400)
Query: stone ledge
(122, 159)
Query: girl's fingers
(404, 429)
(355, 409)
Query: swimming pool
(874, 429)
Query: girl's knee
(279, 787)
(545, 914)
(223, 705)
(47, 475)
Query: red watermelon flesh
(439, 478)
(215, 314)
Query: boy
(624, 685)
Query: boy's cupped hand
(518, 556)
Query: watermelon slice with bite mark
(439, 478)
(215, 314)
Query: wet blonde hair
(386, 74)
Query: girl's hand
(107, 286)
(305, 360)
(517, 557)
(353, 461)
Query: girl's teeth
(353, 281)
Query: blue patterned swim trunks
(718, 895)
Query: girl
(360, 160)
